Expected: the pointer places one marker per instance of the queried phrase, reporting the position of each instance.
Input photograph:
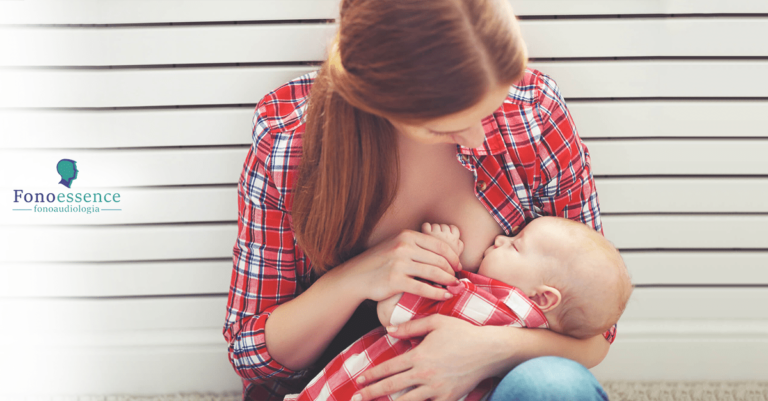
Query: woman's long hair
(404, 60)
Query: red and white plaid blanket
(477, 299)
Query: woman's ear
(546, 297)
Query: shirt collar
(494, 142)
(525, 309)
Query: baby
(556, 274)
(570, 271)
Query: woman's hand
(450, 361)
(392, 266)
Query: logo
(69, 201)
(67, 169)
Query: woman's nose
(473, 137)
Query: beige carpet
(617, 391)
(672, 391)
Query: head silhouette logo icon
(67, 169)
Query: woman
(424, 111)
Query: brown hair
(405, 60)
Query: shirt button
(465, 158)
(514, 229)
(481, 186)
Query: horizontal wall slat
(34, 170)
(669, 118)
(114, 315)
(685, 359)
(196, 241)
(678, 157)
(126, 128)
(683, 232)
(114, 279)
(93, 244)
(142, 87)
(247, 85)
(137, 206)
(232, 126)
(213, 277)
(78, 46)
(682, 195)
(697, 268)
(153, 11)
(147, 371)
(219, 204)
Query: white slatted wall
(153, 99)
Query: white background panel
(682, 195)
(134, 301)
(116, 243)
(113, 315)
(142, 87)
(115, 279)
(237, 85)
(670, 118)
(647, 78)
(123, 167)
(79, 46)
(137, 206)
(86, 129)
(92, 46)
(154, 11)
(690, 231)
(119, 370)
(679, 157)
(686, 359)
(697, 268)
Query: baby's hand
(447, 233)
(385, 308)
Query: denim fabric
(549, 378)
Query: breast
(439, 189)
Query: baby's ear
(546, 297)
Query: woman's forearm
(298, 331)
(524, 344)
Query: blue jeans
(549, 378)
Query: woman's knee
(549, 378)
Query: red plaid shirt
(532, 163)
(476, 299)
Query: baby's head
(569, 270)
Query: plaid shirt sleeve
(264, 271)
(568, 189)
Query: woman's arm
(451, 360)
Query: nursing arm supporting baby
(571, 272)
(556, 273)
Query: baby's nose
(500, 240)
